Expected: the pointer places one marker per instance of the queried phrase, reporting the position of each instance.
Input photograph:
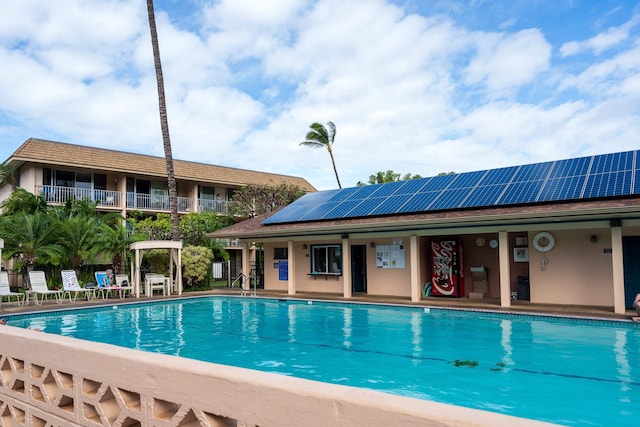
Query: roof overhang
(543, 216)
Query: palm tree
(32, 238)
(164, 124)
(321, 136)
(7, 175)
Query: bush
(196, 262)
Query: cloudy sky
(414, 86)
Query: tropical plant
(7, 175)
(320, 136)
(253, 200)
(80, 237)
(115, 241)
(33, 238)
(196, 263)
(21, 200)
(194, 226)
(164, 125)
(154, 228)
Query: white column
(346, 269)
(137, 274)
(618, 270)
(246, 256)
(414, 265)
(194, 207)
(291, 282)
(505, 271)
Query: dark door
(631, 262)
(358, 268)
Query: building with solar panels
(559, 232)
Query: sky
(413, 86)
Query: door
(631, 265)
(358, 268)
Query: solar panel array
(593, 177)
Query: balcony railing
(155, 203)
(55, 194)
(59, 195)
(213, 206)
(230, 243)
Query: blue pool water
(582, 373)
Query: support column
(291, 274)
(414, 261)
(505, 271)
(246, 257)
(346, 268)
(618, 270)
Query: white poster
(390, 256)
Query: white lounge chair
(104, 287)
(5, 290)
(38, 284)
(123, 281)
(71, 287)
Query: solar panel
(483, 196)
(562, 188)
(450, 199)
(367, 206)
(499, 176)
(591, 177)
(390, 205)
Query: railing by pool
(52, 380)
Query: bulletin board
(390, 256)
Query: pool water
(558, 370)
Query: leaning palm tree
(164, 124)
(321, 136)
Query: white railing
(230, 243)
(52, 380)
(213, 206)
(156, 203)
(60, 195)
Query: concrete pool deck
(488, 304)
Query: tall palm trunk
(164, 124)
(335, 170)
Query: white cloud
(612, 37)
(408, 92)
(506, 61)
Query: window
(280, 253)
(326, 259)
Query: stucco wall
(388, 281)
(53, 380)
(578, 272)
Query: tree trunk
(164, 124)
(333, 162)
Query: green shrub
(196, 263)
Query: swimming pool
(558, 370)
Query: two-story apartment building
(124, 182)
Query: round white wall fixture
(544, 242)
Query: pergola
(175, 260)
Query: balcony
(105, 198)
(156, 202)
(60, 195)
(213, 206)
